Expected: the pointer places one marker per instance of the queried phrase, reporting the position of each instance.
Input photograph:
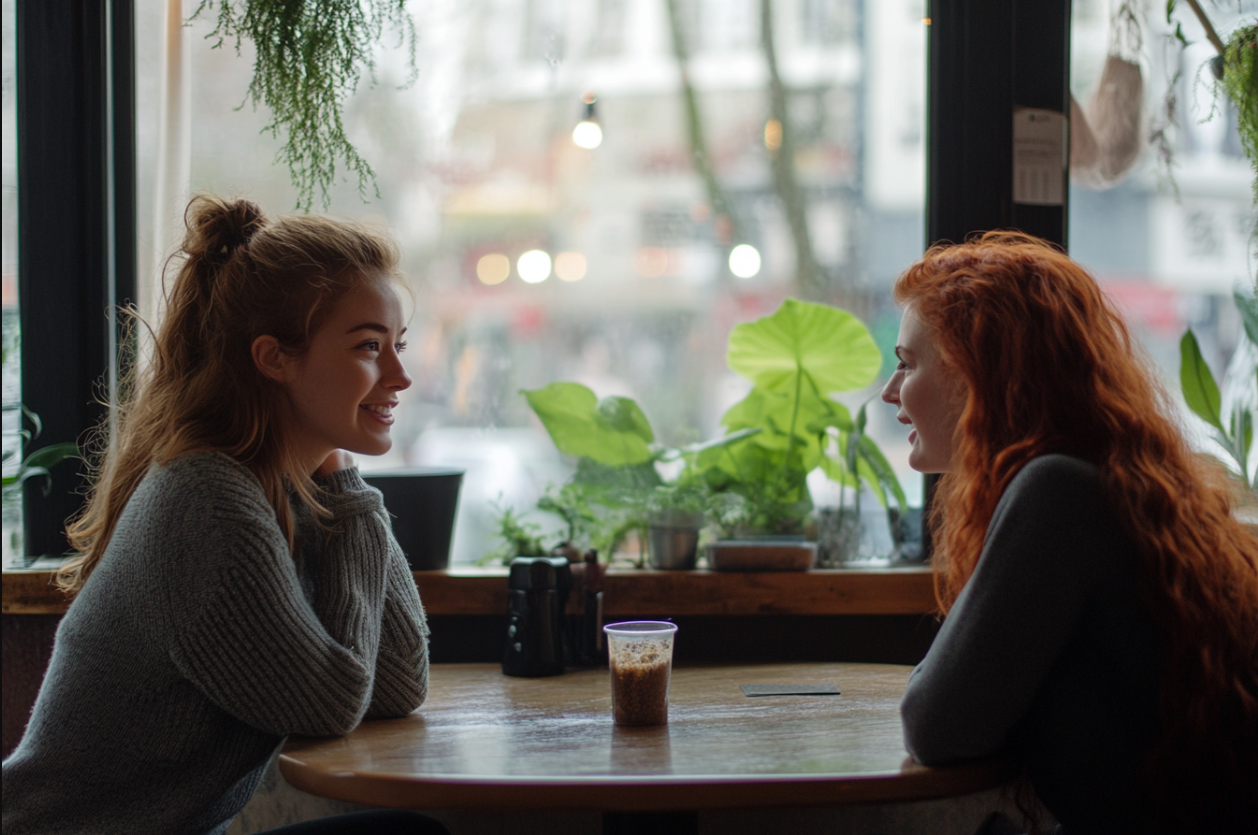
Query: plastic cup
(640, 655)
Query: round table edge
(646, 793)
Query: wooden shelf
(627, 593)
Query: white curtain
(174, 146)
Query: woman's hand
(338, 460)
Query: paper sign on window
(1039, 157)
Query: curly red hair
(1050, 368)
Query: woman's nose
(891, 391)
(396, 377)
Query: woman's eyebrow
(370, 326)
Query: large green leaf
(802, 344)
(51, 455)
(1248, 306)
(623, 415)
(1201, 393)
(640, 476)
(776, 415)
(614, 432)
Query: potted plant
(752, 482)
(676, 514)
(607, 497)
(795, 359)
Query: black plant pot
(422, 503)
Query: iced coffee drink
(640, 655)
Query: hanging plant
(310, 57)
(1240, 80)
(1235, 70)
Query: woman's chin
(373, 446)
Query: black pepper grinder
(537, 594)
(590, 645)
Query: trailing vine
(310, 57)
(1240, 80)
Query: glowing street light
(587, 134)
(744, 261)
(493, 268)
(533, 266)
(570, 266)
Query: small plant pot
(673, 540)
(838, 537)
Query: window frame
(76, 227)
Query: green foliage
(1201, 393)
(37, 464)
(795, 359)
(804, 345)
(309, 58)
(1240, 80)
(519, 538)
(613, 432)
(753, 478)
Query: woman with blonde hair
(237, 581)
(1101, 597)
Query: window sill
(627, 593)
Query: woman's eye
(399, 347)
(371, 346)
(901, 365)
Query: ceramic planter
(673, 540)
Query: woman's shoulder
(1059, 468)
(1062, 500)
(204, 470)
(1057, 480)
(206, 483)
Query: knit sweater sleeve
(1050, 544)
(401, 682)
(256, 644)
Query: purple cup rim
(641, 627)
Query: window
(477, 166)
(11, 548)
(1169, 243)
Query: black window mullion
(984, 57)
(72, 123)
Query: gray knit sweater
(198, 644)
(1049, 655)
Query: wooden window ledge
(627, 593)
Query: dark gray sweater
(198, 644)
(1048, 654)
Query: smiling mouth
(384, 410)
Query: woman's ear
(270, 359)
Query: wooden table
(485, 741)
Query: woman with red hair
(1101, 598)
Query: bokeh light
(587, 135)
(651, 261)
(744, 261)
(570, 266)
(533, 266)
(493, 268)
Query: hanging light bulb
(587, 134)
